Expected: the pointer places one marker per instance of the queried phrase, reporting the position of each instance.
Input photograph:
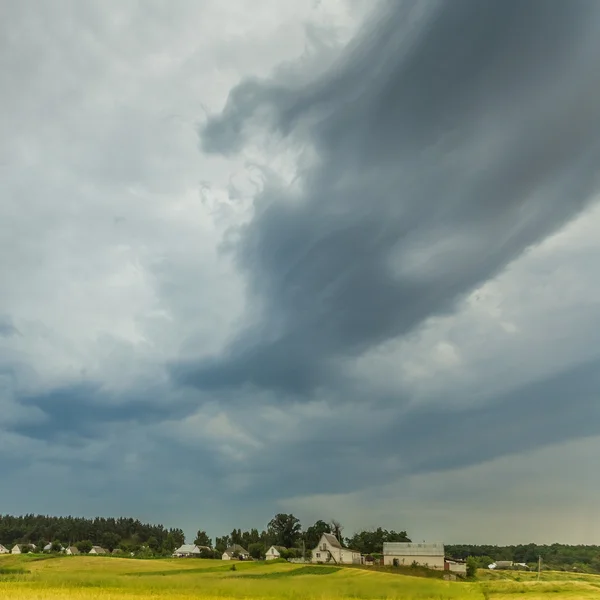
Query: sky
(331, 257)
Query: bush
(233, 568)
(471, 566)
(84, 546)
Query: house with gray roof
(235, 552)
(189, 550)
(274, 552)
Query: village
(328, 551)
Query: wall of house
(348, 557)
(433, 562)
(460, 568)
(225, 556)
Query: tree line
(555, 556)
(143, 539)
(127, 534)
(283, 530)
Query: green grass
(109, 578)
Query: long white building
(400, 554)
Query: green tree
(285, 529)
(56, 546)
(257, 550)
(313, 534)
(84, 546)
(169, 544)
(207, 553)
(222, 543)
(110, 540)
(153, 544)
(471, 566)
(202, 539)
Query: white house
(18, 548)
(235, 551)
(274, 552)
(98, 550)
(330, 550)
(48, 547)
(72, 551)
(188, 550)
(4, 550)
(399, 554)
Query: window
(318, 555)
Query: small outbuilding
(235, 552)
(274, 552)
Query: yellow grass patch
(109, 578)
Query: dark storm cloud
(452, 136)
(7, 327)
(82, 411)
(554, 410)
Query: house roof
(73, 549)
(332, 540)
(235, 548)
(188, 549)
(413, 549)
(98, 550)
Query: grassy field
(108, 578)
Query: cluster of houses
(70, 550)
(330, 550)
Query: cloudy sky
(328, 257)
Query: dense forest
(285, 530)
(126, 534)
(555, 556)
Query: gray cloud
(450, 138)
(445, 139)
(7, 327)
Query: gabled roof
(332, 540)
(73, 549)
(188, 549)
(98, 550)
(235, 548)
